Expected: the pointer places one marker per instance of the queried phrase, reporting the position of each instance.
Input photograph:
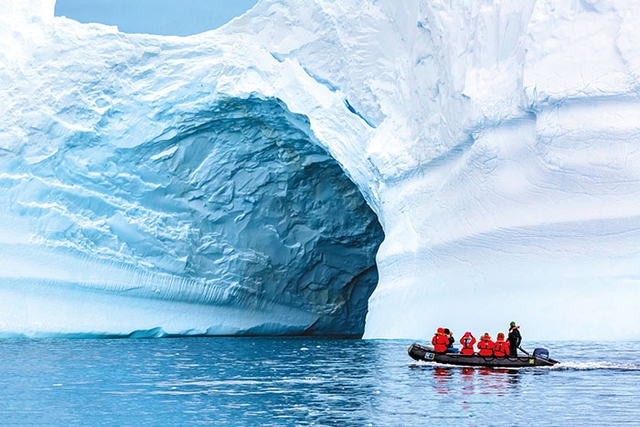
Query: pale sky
(165, 17)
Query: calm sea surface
(305, 381)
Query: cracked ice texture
(142, 197)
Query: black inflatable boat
(540, 357)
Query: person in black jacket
(514, 339)
(452, 340)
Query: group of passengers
(443, 342)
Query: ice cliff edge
(221, 183)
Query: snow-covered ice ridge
(232, 182)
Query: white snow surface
(498, 142)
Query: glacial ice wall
(496, 142)
(167, 205)
(501, 159)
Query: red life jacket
(467, 345)
(440, 343)
(501, 349)
(486, 347)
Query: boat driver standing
(514, 339)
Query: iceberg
(351, 168)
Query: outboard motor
(541, 353)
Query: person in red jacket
(501, 347)
(467, 341)
(485, 345)
(440, 341)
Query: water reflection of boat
(540, 357)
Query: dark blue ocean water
(305, 381)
